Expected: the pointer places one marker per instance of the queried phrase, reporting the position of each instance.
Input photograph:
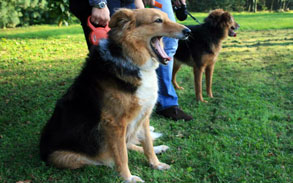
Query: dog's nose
(238, 26)
(186, 32)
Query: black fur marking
(112, 57)
(74, 125)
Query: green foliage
(30, 12)
(33, 12)
(9, 13)
(239, 5)
(22, 12)
(244, 134)
(59, 10)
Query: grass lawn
(244, 134)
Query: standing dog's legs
(209, 79)
(197, 72)
(176, 67)
(147, 144)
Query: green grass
(255, 21)
(244, 134)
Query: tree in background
(59, 10)
(9, 13)
(33, 11)
(239, 5)
(22, 12)
(208, 5)
(29, 12)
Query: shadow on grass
(257, 45)
(31, 97)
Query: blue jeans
(167, 94)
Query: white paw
(133, 179)
(152, 128)
(155, 135)
(160, 149)
(161, 166)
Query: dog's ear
(226, 18)
(218, 17)
(122, 18)
(214, 17)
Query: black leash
(182, 11)
(195, 19)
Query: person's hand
(100, 16)
(179, 3)
(139, 4)
(149, 2)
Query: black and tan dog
(110, 102)
(202, 48)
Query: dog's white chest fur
(147, 93)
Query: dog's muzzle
(186, 33)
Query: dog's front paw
(203, 101)
(177, 87)
(210, 95)
(161, 166)
(133, 179)
(160, 149)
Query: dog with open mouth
(109, 104)
(202, 48)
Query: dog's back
(203, 40)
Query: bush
(9, 13)
(29, 12)
(22, 12)
(59, 11)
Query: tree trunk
(272, 5)
(254, 6)
(248, 5)
(280, 4)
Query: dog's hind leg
(198, 83)
(134, 147)
(71, 160)
(176, 67)
(158, 149)
(209, 79)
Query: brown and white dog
(202, 48)
(110, 102)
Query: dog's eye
(159, 20)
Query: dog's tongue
(161, 50)
(232, 33)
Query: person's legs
(167, 99)
(167, 94)
(82, 10)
